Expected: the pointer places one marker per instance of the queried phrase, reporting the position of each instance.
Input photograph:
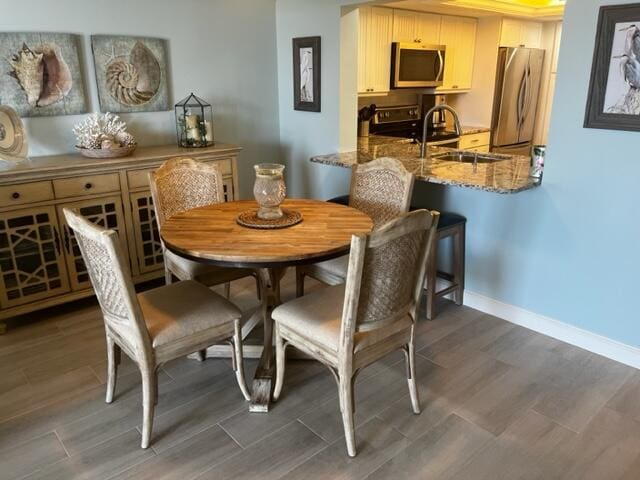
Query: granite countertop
(510, 175)
(468, 130)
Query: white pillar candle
(193, 134)
(209, 129)
(192, 121)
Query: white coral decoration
(102, 131)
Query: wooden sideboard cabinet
(40, 262)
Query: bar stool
(450, 225)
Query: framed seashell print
(41, 75)
(131, 73)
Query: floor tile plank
(21, 459)
(186, 459)
(437, 453)
(278, 454)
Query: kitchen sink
(470, 157)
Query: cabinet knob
(454, 86)
(88, 185)
(15, 195)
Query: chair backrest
(382, 189)
(181, 184)
(386, 272)
(111, 280)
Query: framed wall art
(131, 73)
(306, 74)
(613, 102)
(40, 74)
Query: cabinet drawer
(25, 193)
(140, 178)
(474, 140)
(481, 149)
(88, 185)
(223, 165)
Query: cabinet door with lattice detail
(145, 231)
(106, 212)
(31, 260)
(227, 187)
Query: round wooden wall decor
(13, 142)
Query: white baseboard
(590, 341)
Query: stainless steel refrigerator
(516, 99)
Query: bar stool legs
(456, 278)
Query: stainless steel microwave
(417, 65)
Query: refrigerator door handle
(521, 99)
(527, 104)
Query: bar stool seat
(450, 225)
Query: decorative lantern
(194, 122)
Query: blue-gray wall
(224, 51)
(568, 250)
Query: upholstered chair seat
(382, 189)
(332, 272)
(319, 315)
(183, 311)
(183, 268)
(350, 327)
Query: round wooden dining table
(211, 235)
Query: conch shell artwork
(40, 73)
(134, 81)
(131, 73)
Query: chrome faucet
(425, 123)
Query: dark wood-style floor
(499, 402)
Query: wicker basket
(115, 152)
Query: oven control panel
(401, 113)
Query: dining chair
(348, 327)
(155, 326)
(178, 185)
(382, 189)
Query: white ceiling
(538, 9)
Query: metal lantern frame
(194, 122)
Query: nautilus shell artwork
(40, 74)
(136, 79)
(131, 73)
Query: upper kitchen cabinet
(459, 36)
(374, 49)
(416, 27)
(520, 33)
(556, 47)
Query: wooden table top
(211, 234)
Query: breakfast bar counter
(497, 173)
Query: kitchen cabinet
(556, 48)
(416, 27)
(40, 262)
(374, 49)
(520, 33)
(459, 36)
(475, 142)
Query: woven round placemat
(249, 218)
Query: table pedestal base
(265, 373)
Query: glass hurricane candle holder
(269, 190)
